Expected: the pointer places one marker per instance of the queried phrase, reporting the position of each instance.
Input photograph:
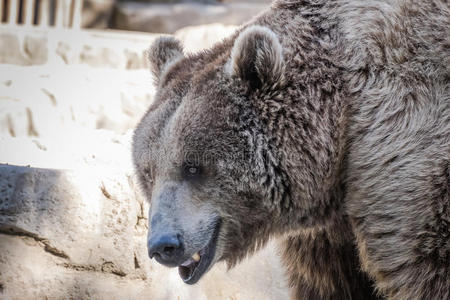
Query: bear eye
(191, 171)
(148, 175)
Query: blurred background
(74, 82)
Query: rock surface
(102, 14)
(196, 38)
(72, 222)
(46, 101)
(94, 48)
(35, 46)
(169, 18)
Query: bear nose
(167, 249)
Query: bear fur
(327, 126)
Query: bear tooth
(196, 257)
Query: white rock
(168, 18)
(46, 101)
(196, 38)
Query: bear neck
(305, 121)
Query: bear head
(203, 155)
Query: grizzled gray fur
(325, 124)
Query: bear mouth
(193, 269)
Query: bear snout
(166, 248)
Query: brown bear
(322, 123)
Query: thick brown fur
(329, 123)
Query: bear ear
(257, 58)
(162, 52)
